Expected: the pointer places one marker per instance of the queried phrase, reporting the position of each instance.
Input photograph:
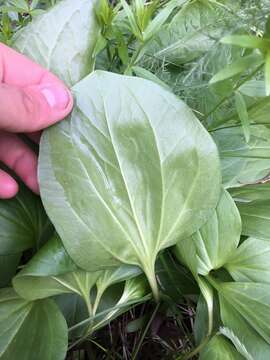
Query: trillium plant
(155, 190)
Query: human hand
(31, 99)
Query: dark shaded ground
(166, 337)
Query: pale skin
(31, 99)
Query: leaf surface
(134, 176)
(24, 324)
(62, 39)
(219, 348)
(23, 223)
(243, 163)
(250, 262)
(215, 241)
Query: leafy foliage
(131, 182)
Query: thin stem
(104, 312)
(250, 76)
(100, 292)
(138, 347)
(135, 57)
(238, 125)
(195, 351)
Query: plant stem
(195, 351)
(250, 76)
(138, 347)
(136, 55)
(151, 276)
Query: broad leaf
(252, 192)
(132, 177)
(251, 301)
(255, 217)
(243, 163)
(201, 323)
(249, 337)
(175, 280)
(250, 262)
(51, 272)
(31, 330)
(8, 267)
(237, 67)
(189, 34)
(229, 334)
(219, 348)
(23, 223)
(62, 39)
(216, 240)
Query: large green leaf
(23, 223)
(255, 217)
(251, 261)
(249, 337)
(128, 175)
(252, 192)
(62, 39)
(215, 241)
(219, 348)
(52, 272)
(8, 267)
(31, 330)
(243, 163)
(251, 301)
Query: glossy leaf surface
(134, 176)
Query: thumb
(33, 108)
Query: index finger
(16, 69)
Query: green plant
(145, 200)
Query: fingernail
(56, 96)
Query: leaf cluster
(155, 188)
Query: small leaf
(148, 75)
(155, 25)
(241, 109)
(237, 67)
(100, 45)
(247, 41)
(132, 20)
